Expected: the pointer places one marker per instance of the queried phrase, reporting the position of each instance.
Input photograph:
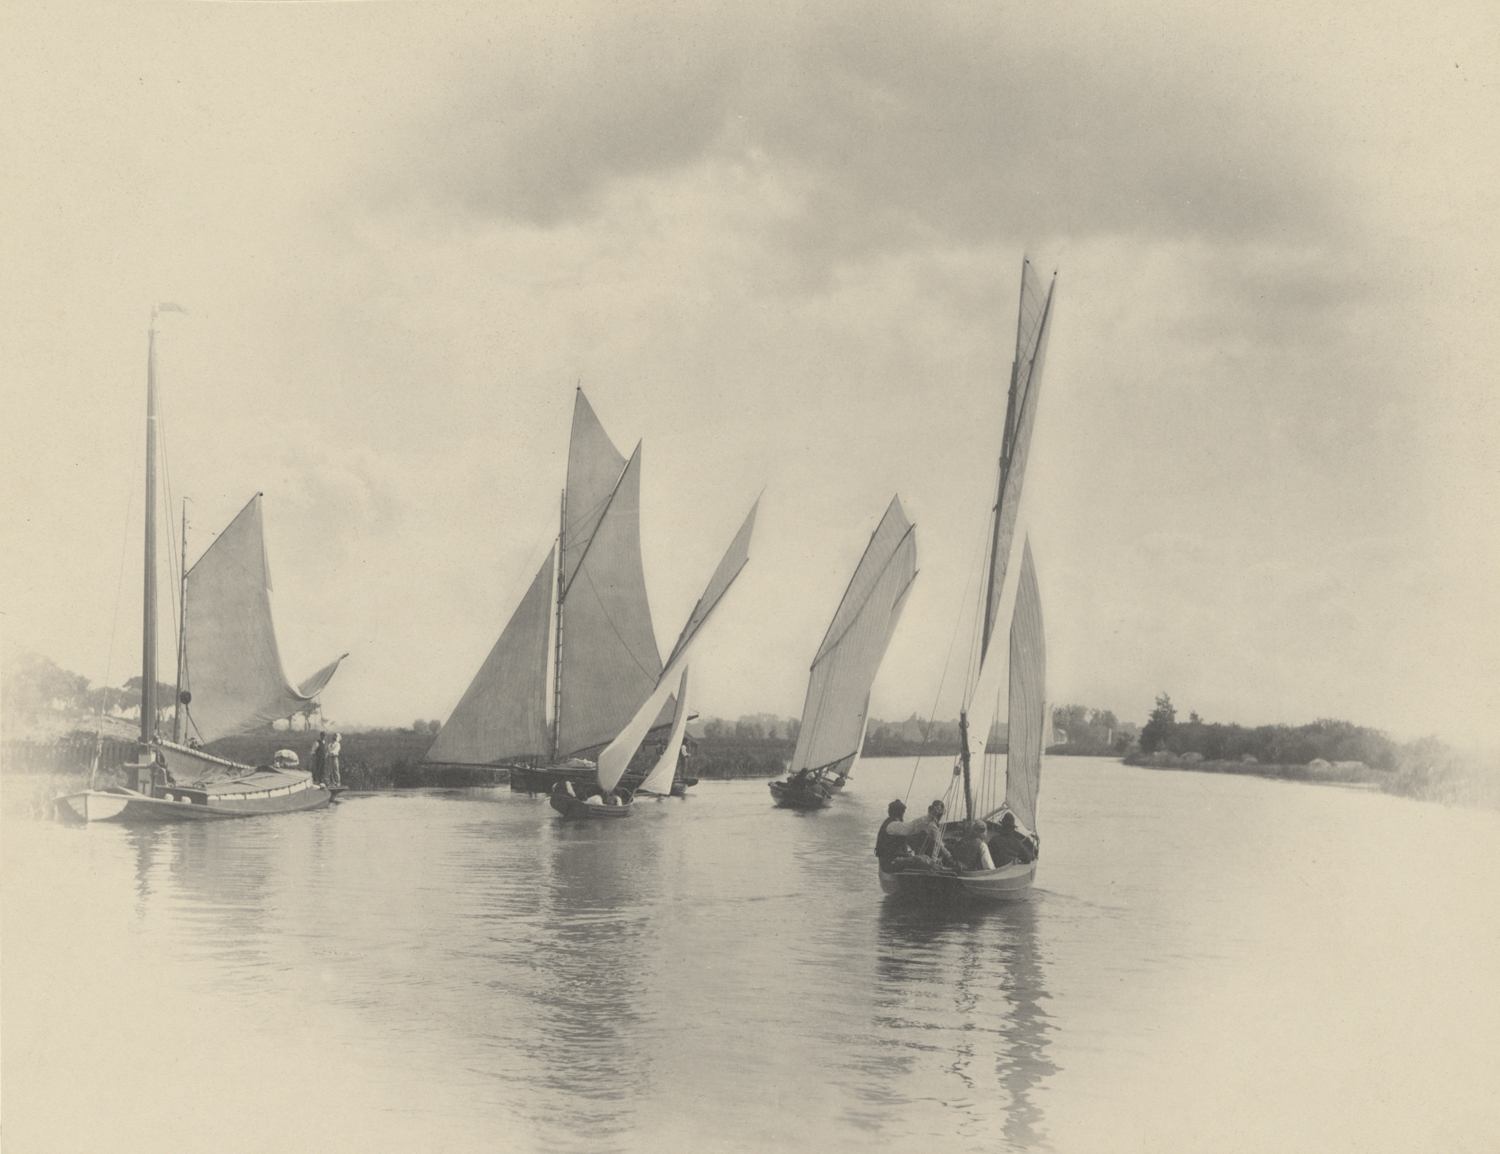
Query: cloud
(896, 127)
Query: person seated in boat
(890, 843)
(970, 851)
(1011, 845)
(926, 837)
(611, 798)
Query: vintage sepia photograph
(609, 578)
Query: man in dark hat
(890, 842)
(1010, 844)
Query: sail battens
(1027, 708)
(502, 715)
(838, 686)
(233, 666)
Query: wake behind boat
(994, 848)
(230, 680)
(837, 706)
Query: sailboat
(837, 707)
(587, 610)
(1001, 796)
(230, 680)
(610, 798)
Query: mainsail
(838, 687)
(231, 664)
(609, 655)
(1020, 415)
(504, 712)
(1028, 712)
(606, 659)
(616, 756)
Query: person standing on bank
(319, 753)
(331, 762)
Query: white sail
(616, 756)
(838, 688)
(1026, 383)
(609, 657)
(503, 714)
(659, 780)
(231, 663)
(1028, 709)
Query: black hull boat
(837, 707)
(801, 795)
(593, 807)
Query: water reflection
(592, 995)
(958, 986)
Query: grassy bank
(1426, 771)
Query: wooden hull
(253, 795)
(524, 779)
(577, 809)
(800, 797)
(980, 887)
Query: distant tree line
(1325, 739)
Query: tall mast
(562, 539)
(177, 734)
(148, 615)
(963, 755)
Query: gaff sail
(607, 657)
(836, 708)
(232, 665)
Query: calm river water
(1208, 963)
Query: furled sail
(1020, 416)
(844, 668)
(232, 666)
(609, 657)
(503, 714)
(1028, 710)
(659, 780)
(616, 756)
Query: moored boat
(230, 680)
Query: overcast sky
(780, 245)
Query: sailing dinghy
(618, 755)
(998, 795)
(230, 681)
(837, 707)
